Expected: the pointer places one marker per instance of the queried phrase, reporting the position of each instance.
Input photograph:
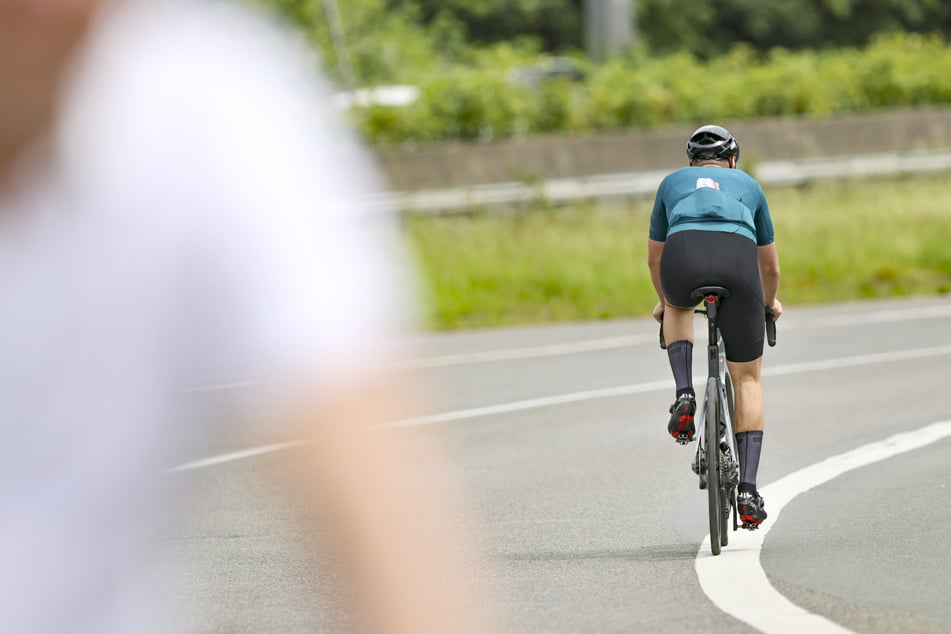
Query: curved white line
(736, 582)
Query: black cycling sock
(680, 354)
(749, 444)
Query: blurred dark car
(551, 69)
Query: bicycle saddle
(705, 291)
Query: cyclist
(711, 226)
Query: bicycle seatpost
(713, 351)
(712, 306)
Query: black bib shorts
(714, 258)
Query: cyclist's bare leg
(748, 393)
(678, 324)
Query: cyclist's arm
(655, 239)
(766, 253)
(768, 272)
(654, 250)
(379, 505)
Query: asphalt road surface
(586, 511)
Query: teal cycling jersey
(711, 199)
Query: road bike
(716, 460)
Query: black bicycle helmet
(712, 142)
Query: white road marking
(736, 582)
(228, 387)
(532, 403)
(588, 395)
(609, 343)
(625, 341)
(236, 455)
(875, 317)
(862, 359)
(488, 356)
(639, 388)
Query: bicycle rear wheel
(711, 439)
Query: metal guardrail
(640, 184)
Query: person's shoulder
(744, 176)
(676, 175)
(682, 170)
(747, 180)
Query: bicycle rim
(712, 449)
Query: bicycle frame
(717, 369)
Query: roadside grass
(837, 241)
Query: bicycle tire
(730, 403)
(727, 495)
(712, 451)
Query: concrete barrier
(644, 183)
(547, 158)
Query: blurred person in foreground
(711, 227)
(177, 209)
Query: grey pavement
(587, 514)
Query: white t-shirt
(194, 219)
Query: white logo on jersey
(709, 183)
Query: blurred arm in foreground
(410, 571)
(186, 210)
(36, 42)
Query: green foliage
(710, 29)
(837, 241)
(557, 23)
(465, 71)
(675, 25)
(381, 44)
(449, 30)
(534, 266)
(466, 103)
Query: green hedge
(481, 103)
(837, 240)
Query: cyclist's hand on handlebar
(776, 308)
(659, 312)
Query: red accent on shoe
(711, 299)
